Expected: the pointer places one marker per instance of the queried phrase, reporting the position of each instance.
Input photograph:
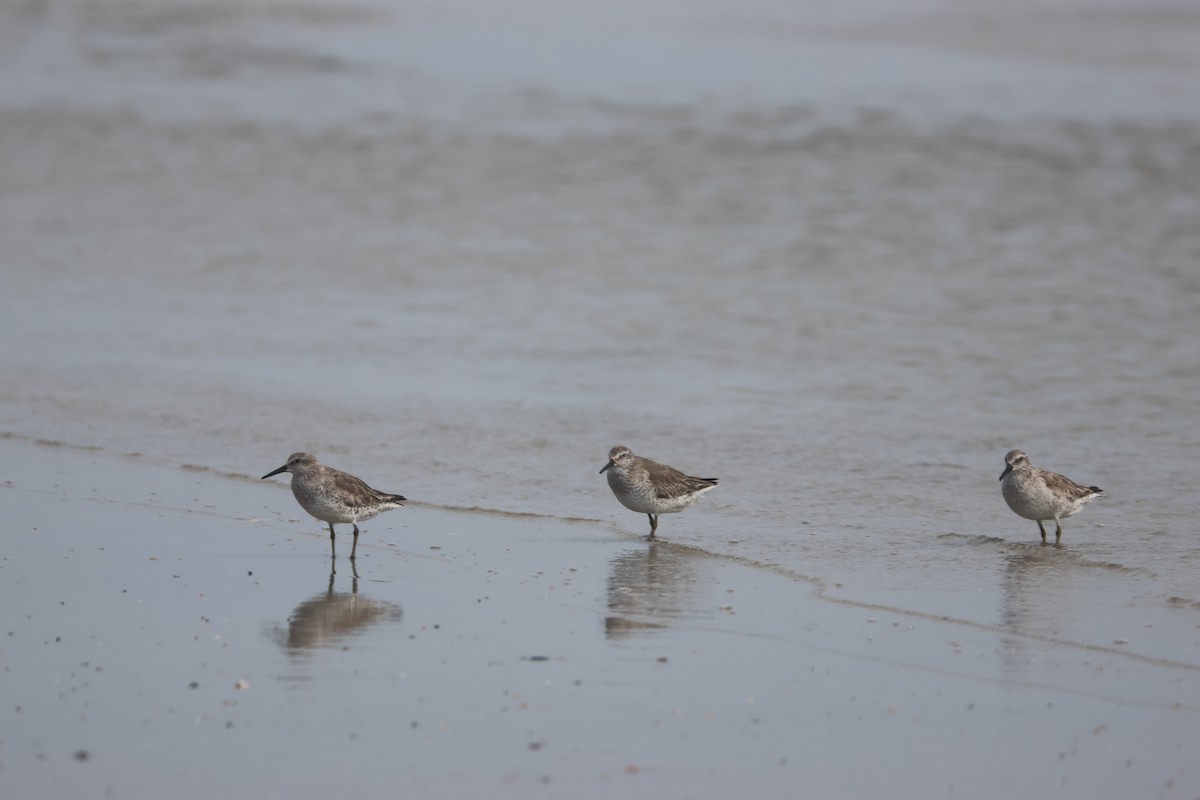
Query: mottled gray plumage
(332, 496)
(649, 487)
(1039, 494)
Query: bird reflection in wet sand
(1037, 594)
(648, 589)
(330, 617)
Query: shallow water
(410, 242)
(156, 642)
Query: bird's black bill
(606, 466)
(276, 472)
(1006, 471)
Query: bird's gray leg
(653, 525)
(332, 544)
(1057, 533)
(354, 546)
(1043, 530)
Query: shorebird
(1039, 494)
(651, 488)
(332, 496)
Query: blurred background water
(842, 256)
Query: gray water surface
(464, 271)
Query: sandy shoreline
(174, 632)
(816, 250)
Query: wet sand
(839, 258)
(180, 632)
